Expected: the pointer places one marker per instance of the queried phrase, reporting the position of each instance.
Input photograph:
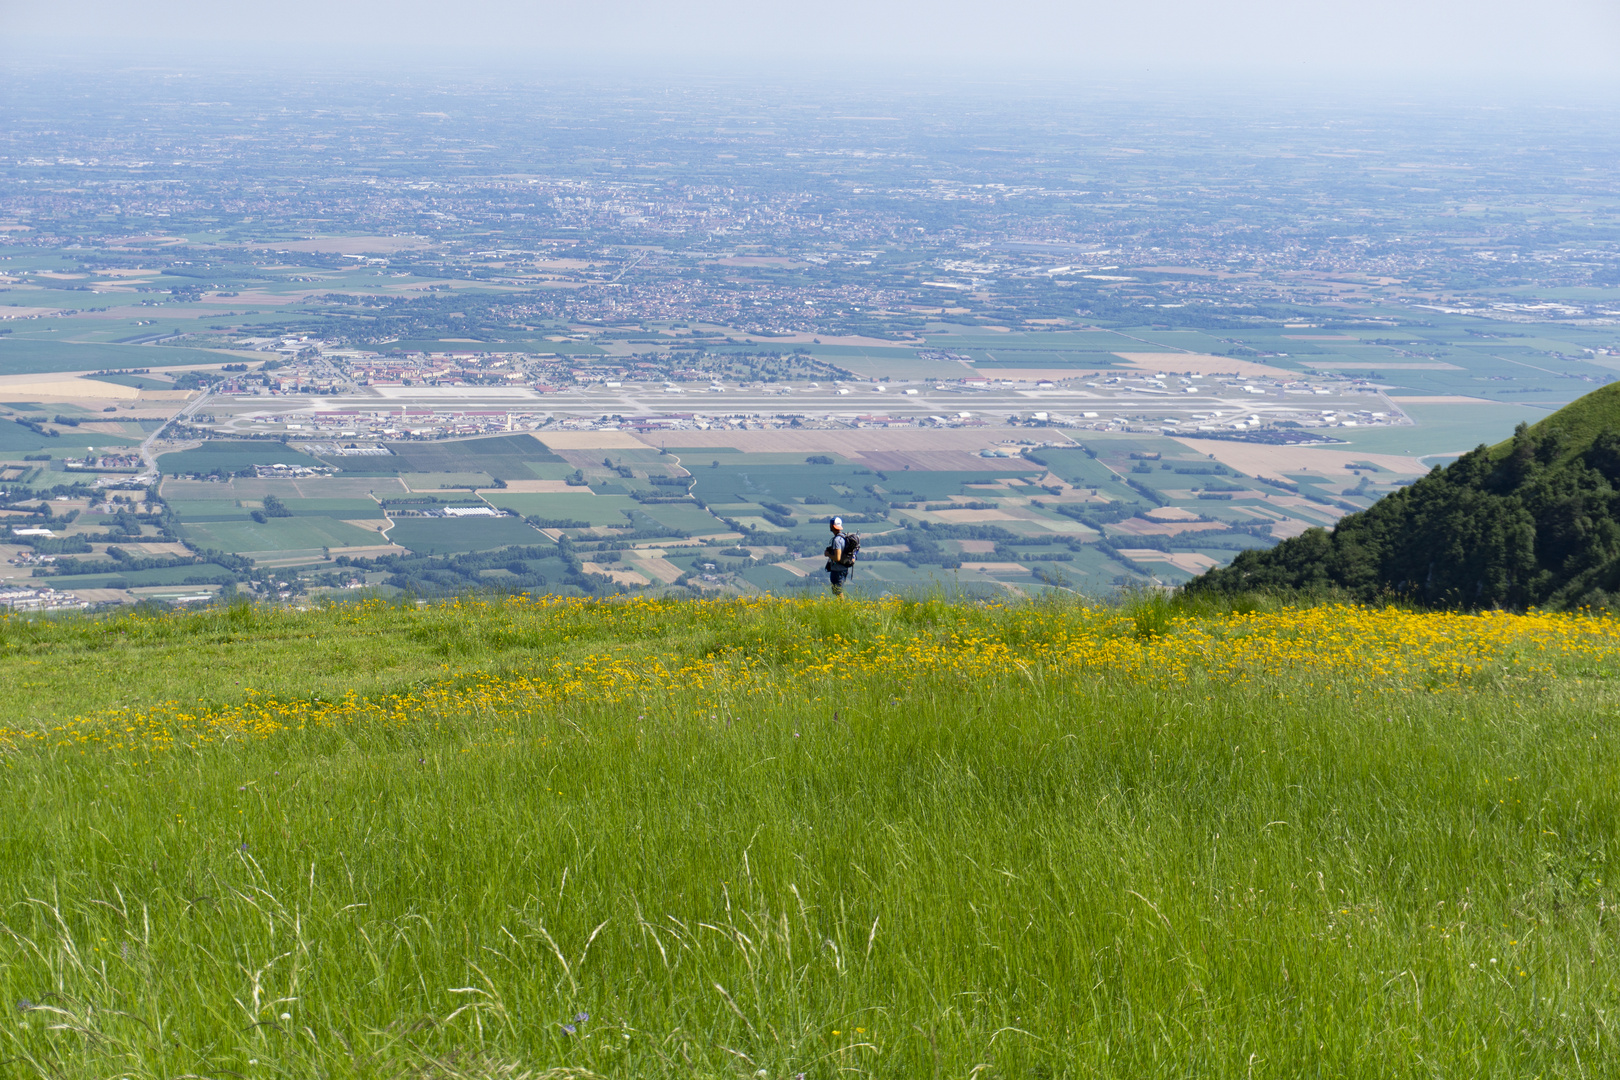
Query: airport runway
(995, 404)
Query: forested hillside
(1531, 522)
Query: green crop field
(1445, 428)
(728, 482)
(17, 439)
(231, 456)
(225, 509)
(687, 517)
(194, 510)
(168, 575)
(500, 455)
(276, 534)
(313, 487)
(921, 486)
(448, 536)
(438, 481)
(28, 356)
(595, 509)
(139, 382)
(338, 508)
(924, 838)
(1076, 466)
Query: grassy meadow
(772, 838)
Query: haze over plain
(531, 323)
(1555, 39)
(925, 241)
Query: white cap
(836, 523)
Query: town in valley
(257, 342)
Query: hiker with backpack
(841, 555)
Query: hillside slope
(1531, 522)
(535, 838)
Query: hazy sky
(1513, 38)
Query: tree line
(1533, 523)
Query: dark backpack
(852, 544)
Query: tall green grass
(1028, 874)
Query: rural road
(152, 474)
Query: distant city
(280, 337)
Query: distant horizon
(1419, 42)
(269, 63)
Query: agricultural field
(227, 458)
(415, 628)
(790, 837)
(996, 509)
(440, 537)
(1010, 511)
(296, 533)
(642, 395)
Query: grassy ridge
(1576, 425)
(802, 837)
